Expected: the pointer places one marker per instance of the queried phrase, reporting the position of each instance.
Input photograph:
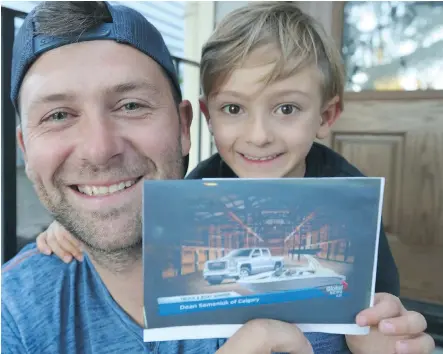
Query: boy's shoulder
(209, 168)
(325, 162)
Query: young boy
(273, 82)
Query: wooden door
(399, 134)
(402, 140)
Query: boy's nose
(258, 133)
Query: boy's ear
(204, 109)
(330, 113)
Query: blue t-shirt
(52, 307)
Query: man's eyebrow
(54, 97)
(133, 86)
(118, 88)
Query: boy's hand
(266, 337)
(394, 330)
(56, 239)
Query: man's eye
(58, 116)
(287, 109)
(231, 109)
(131, 106)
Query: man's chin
(110, 248)
(111, 232)
(118, 260)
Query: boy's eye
(287, 109)
(231, 109)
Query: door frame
(432, 312)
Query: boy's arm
(387, 274)
(11, 339)
(56, 239)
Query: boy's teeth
(260, 158)
(102, 190)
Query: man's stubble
(114, 247)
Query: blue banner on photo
(240, 301)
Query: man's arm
(388, 280)
(11, 339)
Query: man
(100, 110)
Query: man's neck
(125, 287)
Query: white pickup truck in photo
(241, 263)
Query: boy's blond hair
(300, 40)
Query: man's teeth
(260, 158)
(102, 190)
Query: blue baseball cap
(127, 27)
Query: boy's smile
(267, 129)
(260, 159)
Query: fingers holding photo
(385, 306)
(394, 327)
(266, 337)
(421, 344)
(410, 323)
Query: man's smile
(105, 188)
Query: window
(256, 253)
(393, 45)
(240, 253)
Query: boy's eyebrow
(284, 92)
(291, 92)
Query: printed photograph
(239, 245)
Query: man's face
(99, 117)
(267, 130)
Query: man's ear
(21, 145)
(185, 111)
(20, 141)
(204, 109)
(330, 113)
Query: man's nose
(101, 140)
(259, 132)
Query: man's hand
(394, 330)
(266, 337)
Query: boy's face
(267, 130)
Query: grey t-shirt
(52, 307)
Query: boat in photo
(314, 275)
